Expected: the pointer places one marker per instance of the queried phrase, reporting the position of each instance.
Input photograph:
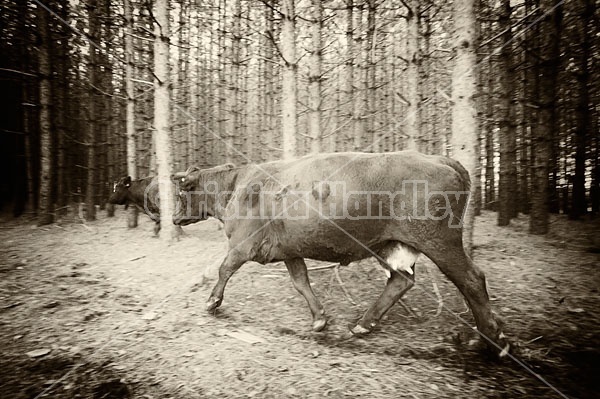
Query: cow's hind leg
(398, 283)
(470, 280)
(232, 262)
(156, 228)
(297, 269)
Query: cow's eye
(182, 179)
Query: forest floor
(97, 310)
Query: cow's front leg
(233, 261)
(297, 269)
(397, 285)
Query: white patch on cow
(401, 258)
(115, 187)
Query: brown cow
(343, 207)
(143, 193)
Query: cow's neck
(217, 202)
(137, 190)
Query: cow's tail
(459, 207)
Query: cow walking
(344, 207)
(142, 193)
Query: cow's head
(189, 208)
(195, 188)
(120, 191)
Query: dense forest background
(84, 83)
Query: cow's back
(307, 207)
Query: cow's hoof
(359, 331)
(504, 343)
(319, 324)
(213, 303)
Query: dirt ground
(97, 310)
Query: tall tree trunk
(92, 125)
(548, 70)
(465, 126)
(314, 78)
(46, 206)
(226, 138)
(235, 100)
(428, 137)
(370, 96)
(288, 88)
(109, 117)
(583, 121)
(269, 91)
(132, 213)
(507, 183)
(61, 94)
(413, 112)
(490, 175)
(531, 96)
(595, 186)
(348, 85)
(360, 81)
(162, 125)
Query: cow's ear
(127, 181)
(176, 177)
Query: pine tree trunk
(132, 211)
(108, 114)
(61, 93)
(465, 126)
(360, 81)
(427, 115)
(370, 97)
(595, 186)
(531, 96)
(412, 76)
(314, 78)
(269, 91)
(548, 70)
(46, 206)
(162, 125)
(93, 124)
(226, 138)
(490, 175)
(348, 84)
(583, 122)
(507, 182)
(288, 88)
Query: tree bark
(465, 126)
(61, 94)
(582, 117)
(269, 91)
(288, 88)
(162, 126)
(46, 205)
(370, 97)
(490, 175)
(507, 182)
(132, 211)
(348, 84)
(314, 77)
(548, 70)
(413, 112)
(360, 81)
(92, 125)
